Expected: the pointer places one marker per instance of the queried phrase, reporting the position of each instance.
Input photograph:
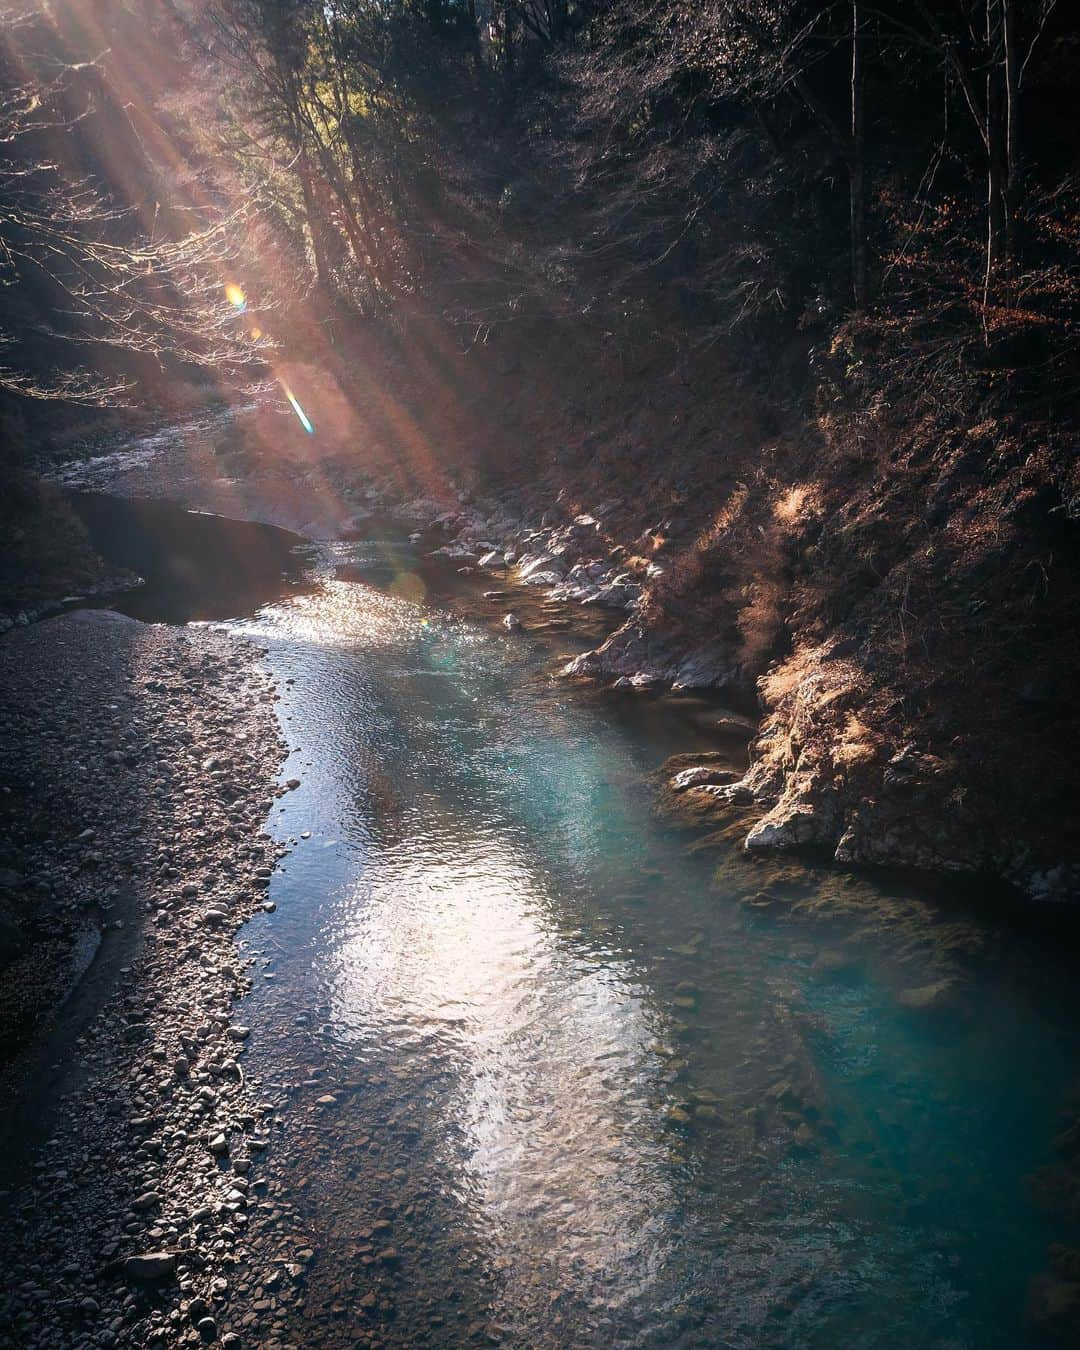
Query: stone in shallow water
(837, 966)
(939, 997)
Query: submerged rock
(837, 966)
(939, 997)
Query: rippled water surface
(589, 1086)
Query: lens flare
(409, 587)
(236, 296)
(301, 414)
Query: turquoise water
(592, 1085)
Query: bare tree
(80, 271)
(990, 43)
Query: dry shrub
(689, 567)
(857, 746)
(796, 504)
(761, 621)
(785, 678)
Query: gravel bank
(138, 766)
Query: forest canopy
(896, 183)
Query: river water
(552, 1074)
(591, 1086)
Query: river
(548, 1074)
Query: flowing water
(592, 1087)
(554, 1077)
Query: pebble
(160, 1084)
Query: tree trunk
(508, 39)
(857, 165)
(362, 242)
(314, 222)
(1013, 168)
(997, 169)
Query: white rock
(701, 775)
(534, 566)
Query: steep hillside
(894, 589)
(783, 295)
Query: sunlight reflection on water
(451, 951)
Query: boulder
(937, 999)
(148, 1266)
(791, 830)
(702, 774)
(541, 569)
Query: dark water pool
(194, 565)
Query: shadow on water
(195, 566)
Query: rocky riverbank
(830, 768)
(140, 763)
(151, 755)
(861, 755)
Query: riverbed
(548, 1072)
